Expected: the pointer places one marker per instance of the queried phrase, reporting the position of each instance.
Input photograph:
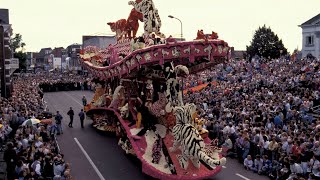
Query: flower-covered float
(139, 96)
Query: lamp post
(170, 16)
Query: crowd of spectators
(265, 113)
(30, 151)
(57, 81)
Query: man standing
(84, 101)
(82, 116)
(58, 119)
(71, 114)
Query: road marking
(243, 177)
(74, 99)
(89, 159)
(224, 167)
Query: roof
(312, 21)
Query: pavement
(96, 156)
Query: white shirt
(232, 130)
(266, 144)
(296, 168)
(38, 143)
(226, 130)
(314, 166)
(248, 163)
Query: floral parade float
(139, 97)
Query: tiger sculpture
(187, 136)
(151, 18)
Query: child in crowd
(248, 163)
(258, 162)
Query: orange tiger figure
(132, 25)
(119, 27)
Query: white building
(311, 37)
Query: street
(97, 156)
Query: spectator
(58, 119)
(248, 163)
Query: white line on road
(243, 177)
(224, 167)
(89, 159)
(74, 99)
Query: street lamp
(170, 16)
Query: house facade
(73, 52)
(311, 37)
(44, 57)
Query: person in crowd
(71, 114)
(58, 119)
(10, 158)
(248, 163)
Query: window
(309, 41)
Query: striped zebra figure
(188, 137)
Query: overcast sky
(56, 23)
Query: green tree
(22, 59)
(15, 44)
(266, 43)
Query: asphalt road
(96, 156)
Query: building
(238, 55)
(101, 42)
(8, 64)
(73, 52)
(31, 59)
(311, 37)
(44, 57)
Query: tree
(22, 59)
(15, 44)
(266, 43)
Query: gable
(313, 21)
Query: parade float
(139, 96)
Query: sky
(56, 23)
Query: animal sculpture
(201, 35)
(119, 27)
(213, 35)
(151, 18)
(132, 25)
(173, 92)
(187, 136)
(137, 43)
